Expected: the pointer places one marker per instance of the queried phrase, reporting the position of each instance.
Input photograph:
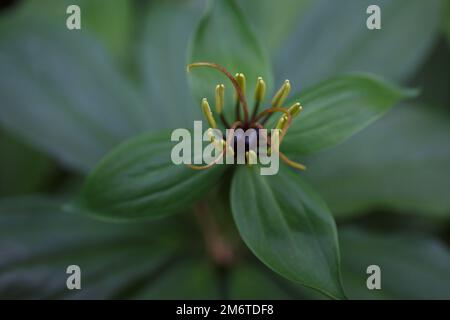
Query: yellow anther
(291, 163)
(217, 141)
(210, 134)
(220, 98)
(208, 113)
(274, 142)
(295, 109)
(251, 157)
(240, 78)
(281, 94)
(260, 90)
(282, 122)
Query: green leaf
(286, 13)
(336, 109)
(110, 23)
(22, 169)
(248, 282)
(139, 179)
(412, 266)
(447, 23)
(253, 280)
(39, 242)
(193, 279)
(400, 162)
(432, 78)
(224, 37)
(63, 94)
(288, 227)
(162, 61)
(332, 39)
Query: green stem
(218, 248)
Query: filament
(230, 77)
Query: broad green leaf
(22, 169)
(412, 266)
(400, 162)
(192, 279)
(39, 241)
(107, 20)
(139, 179)
(63, 95)
(288, 227)
(224, 37)
(447, 23)
(248, 282)
(336, 109)
(332, 38)
(253, 280)
(273, 21)
(433, 77)
(162, 61)
(110, 21)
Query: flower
(254, 121)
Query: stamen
(251, 157)
(295, 109)
(260, 92)
(208, 113)
(230, 77)
(291, 163)
(281, 94)
(273, 110)
(220, 102)
(270, 111)
(240, 78)
(283, 157)
(276, 139)
(279, 98)
(239, 84)
(195, 167)
(220, 98)
(226, 147)
(267, 141)
(218, 145)
(281, 123)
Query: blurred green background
(65, 100)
